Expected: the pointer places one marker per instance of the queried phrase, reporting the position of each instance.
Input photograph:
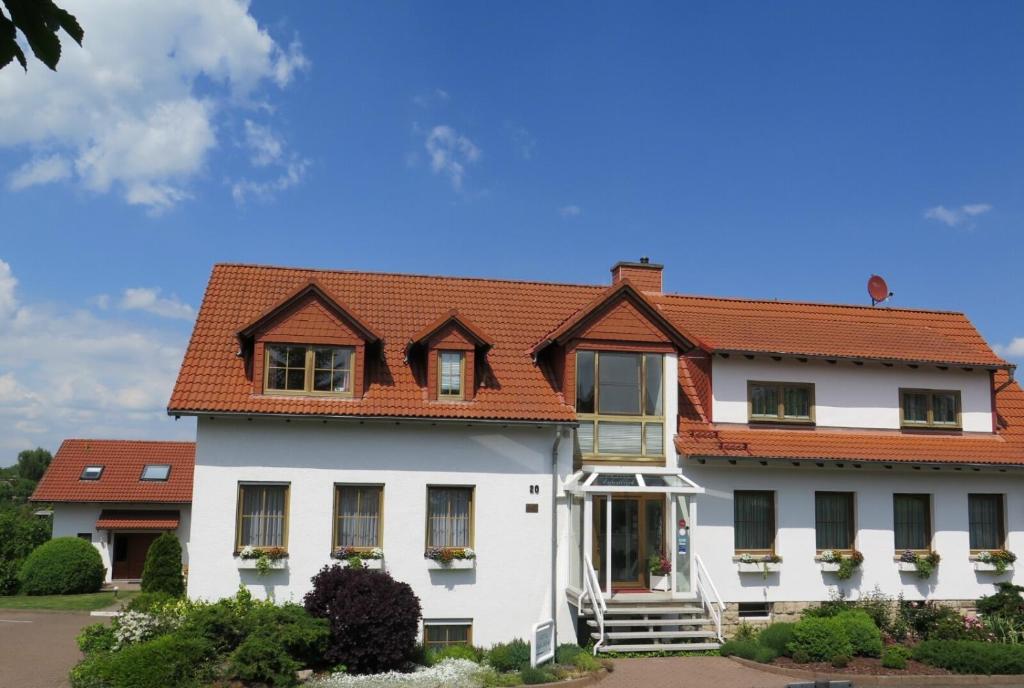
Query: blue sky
(775, 150)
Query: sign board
(542, 642)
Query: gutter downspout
(554, 532)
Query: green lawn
(65, 603)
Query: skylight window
(92, 472)
(155, 471)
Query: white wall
(848, 395)
(70, 519)
(800, 579)
(505, 595)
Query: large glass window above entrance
(620, 403)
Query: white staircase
(652, 622)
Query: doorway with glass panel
(638, 525)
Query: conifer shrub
(162, 571)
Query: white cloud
(53, 168)
(450, 152)
(436, 97)
(69, 373)
(1015, 349)
(150, 301)
(137, 108)
(570, 210)
(956, 216)
(291, 175)
(264, 146)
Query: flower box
(989, 567)
(371, 564)
(758, 567)
(250, 564)
(453, 565)
(829, 566)
(661, 583)
(906, 566)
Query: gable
(310, 320)
(623, 322)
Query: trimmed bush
(162, 571)
(895, 657)
(748, 649)
(819, 639)
(971, 656)
(453, 652)
(62, 566)
(777, 636)
(865, 638)
(95, 639)
(374, 619)
(510, 656)
(170, 661)
(260, 659)
(534, 676)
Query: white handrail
(716, 610)
(597, 601)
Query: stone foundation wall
(791, 611)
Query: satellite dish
(878, 290)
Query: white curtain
(358, 517)
(449, 516)
(263, 521)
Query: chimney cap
(644, 262)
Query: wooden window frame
(472, 515)
(445, 623)
(780, 417)
(461, 395)
(287, 514)
(307, 387)
(930, 423)
(930, 524)
(335, 545)
(853, 520)
(1002, 520)
(774, 524)
(643, 418)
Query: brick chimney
(644, 275)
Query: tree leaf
(9, 48)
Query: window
(985, 521)
(262, 515)
(449, 517)
(755, 610)
(155, 471)
(620, 403)
(930, 408)
(450, 374)
(301, 369)
(439, 635)
(912, 521)
(357, 516)
(781, 402)
(833, 520)
(754, 520)
(91, 473)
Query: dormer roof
(471, 331)
(310, 288)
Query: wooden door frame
(641, 582)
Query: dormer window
(930, 408)
(91, 473)
(301, 369)
(451, 366)
(619, 403)
(155, 472)
(780, 402)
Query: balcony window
(620, 403)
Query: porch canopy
(625, 479)
(125, 519)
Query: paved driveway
(689, 672)
(38, 648)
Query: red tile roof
(122, 462)
(519, 316)
(115, 519)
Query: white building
(564, 434)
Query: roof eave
(1003, 365)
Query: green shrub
(511, 656)
(840, 661)
(292, 628)
(566, 653)
(819, 639)
(95, 639)
(865, 638)
(777, 636)
(162, 571)
(453, 652)
(932, 621)
(895, 657)
(261, 659)
(62, 566)
(170, 661)
(533, 676)
(584, 661)
(1006, 602)
(971, 656)
(148, 601)
(21, 531)
(748, 649)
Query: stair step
(650, 622)
(640, 635)
(660, 647)
(641, 609)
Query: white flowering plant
(449, 673)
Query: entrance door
(638, 531)
(130, 551)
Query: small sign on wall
(532, 508)
(542, 642)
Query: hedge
(972, 656)
(62, 566)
